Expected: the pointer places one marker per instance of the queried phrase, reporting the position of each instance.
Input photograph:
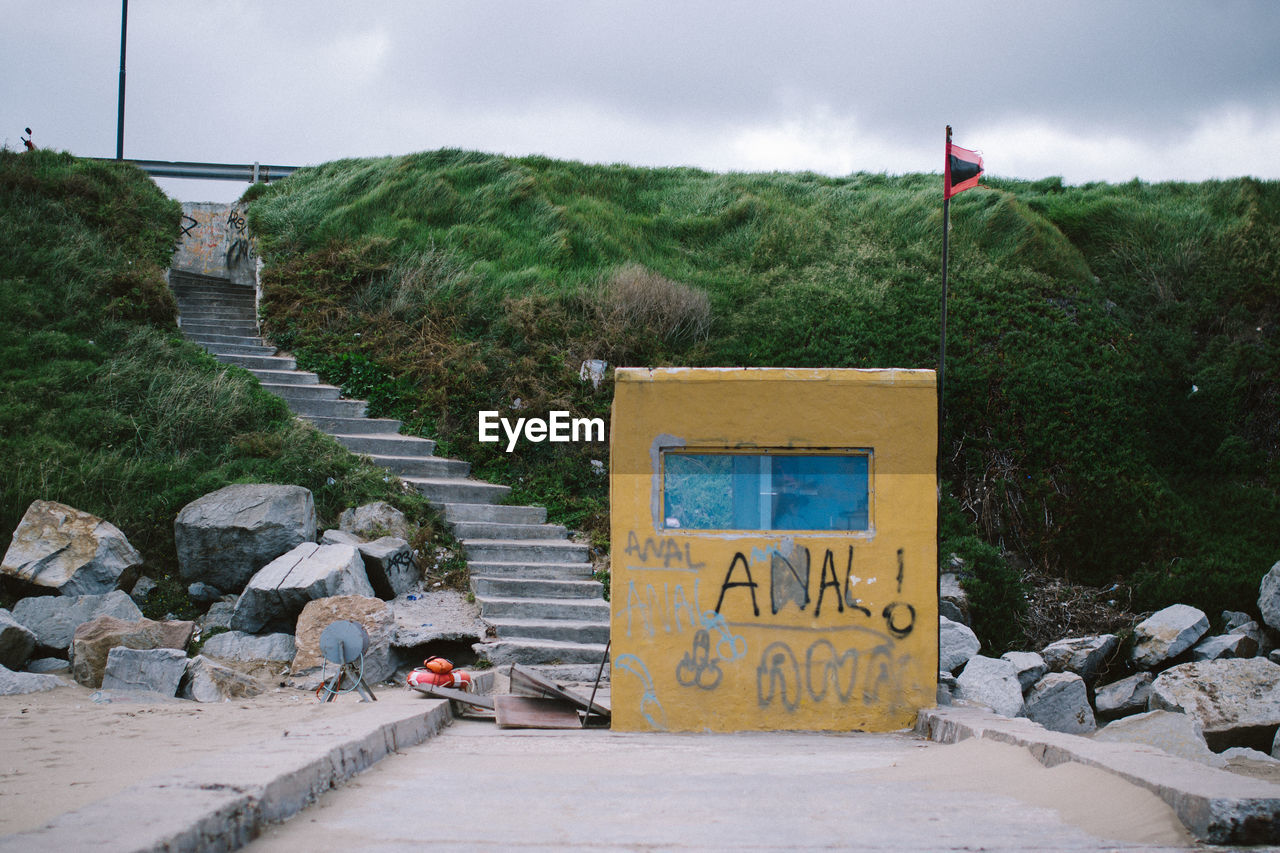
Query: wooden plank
(456, 695)
(527, 682)
(527, 712)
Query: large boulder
(1269, 597)
(16, 683)
(1126, 696)
(373, 521)
(1176, 734)
(277, 593)
(373, 614)
(62, 548)
(1085, 656)
(992, 682)
(93, 642)
(1060, 703)
(953, 598)
(54, 618)
(153, 670)
(435, 615)
(17, 642)
(260, 655)
(209, 681)
(956, 644)
(1029, 665)
(227, 535)
(1166, 634)
(1237, 701)
(390, 567)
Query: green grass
(102, 405)
(447, 282)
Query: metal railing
(248, 172)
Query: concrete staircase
(532, 583)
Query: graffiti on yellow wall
(733, 609)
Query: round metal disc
(343, 642)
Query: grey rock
(94, 641)
(1269, 597)
(227, 535)
(1225, 646)
(1236, 701)
(946, 687)
(956, 644)
(1126, 696)
(373, 614)
(17, 642)
(949, 610)
(390, 567)
(219, 615)
(1176, 734)
(1166, 634)
(54, 618)
(16, 683)
(279, 591)
(991, 682)
(141, 589)
(155, 670)
(209, 681)
(438, 614)
(340, 537)
(1029, 665)
(951, 593)
(1060, 702)
(249, 648)
(47, 665)
(1232, 619)
(204, 593)
(62, 548)
(374, 520)
(1084, 656)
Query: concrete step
(540, 652)
(443, 490)
(233, 349)
(286, 377)
(555, 571)
(495, 512)
(186, 290)
(515, 550)
(508, 587)
(346, 425)
(328, 408)
(422, 466)
(549, 609)
(215, 300)
(390, 444)
(218, 315)
(500, 530)
(564, 630)
(260, 362)
(238, 340)
(198, 328)
(304, 392)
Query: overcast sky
(1088, 90)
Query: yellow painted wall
(862, 654)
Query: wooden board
(456, 695)
(527, 712)
(527, 682)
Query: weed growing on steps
(1113, 387)
(102, 405)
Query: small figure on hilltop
(26, 140)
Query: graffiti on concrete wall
(215, 240)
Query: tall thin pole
(942, 342)
(124, 25)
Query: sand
(60, 750)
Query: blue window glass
(766, 491)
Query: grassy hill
(1113, 386)
(102, 405)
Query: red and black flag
(964, 168)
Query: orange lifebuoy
(456, 678)
(438, 664)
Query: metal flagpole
(124, 22)
(942, 344)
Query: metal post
(942, 345)
(124, 24)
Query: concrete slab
(1214, 805)
(222, 802)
